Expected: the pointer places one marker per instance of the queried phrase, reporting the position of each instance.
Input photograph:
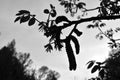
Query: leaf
(48, 47)
(46, 11)
(18, 14)
(62, 3)
(52, 7)
(102, 24)
(24, 18)
(95, 68)
(21, 12)
(100, 37)
(24, 12)
(101, 73)
(18, 18)
(60, 19)
(110, 43)
(53, 14)
(104, 11)
(71, 57)
(80, 5)
(98, 78)
(75, 41)
(31, 21)
(117, 29)
(99, 63)
(79, 33)
(66, 4)
(90, 26)
(58, 46)
(91, 63)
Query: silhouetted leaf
(46, 11)
(62, 3)
(31, 21)
(100, 37)
(60, 19)
(102, 24)
(79, 33)
(52, 7)
(104, 11)
(48, 47)
(75, 41)
(110, 43)
(90, 26)
(99, 63)
(58, 46)
(53, 13)
(71, 57)
(66, 4)
(101, 73)
(24, 18)
(18, 18)
(80, 5)
(24, 12)
(117, 29)
(91, 63)
(95, 68)
(18, 14)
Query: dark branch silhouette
(107, 10)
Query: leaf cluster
(51, 12)
(109, 7)
(25, 16)
(72, 6)
(97, 66)
(45, 73)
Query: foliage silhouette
(110, 68)
(45, 73)
(17, 66)
(13, 65)
(107, 10)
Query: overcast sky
(29, 39)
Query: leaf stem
(106, 35)
(103, 32)
(37, 20)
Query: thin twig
(111, 39)
(117, 39)
(103, 32)
(92, 9)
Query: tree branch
(91, 9)
(111, 17)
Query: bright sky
(29, 39)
